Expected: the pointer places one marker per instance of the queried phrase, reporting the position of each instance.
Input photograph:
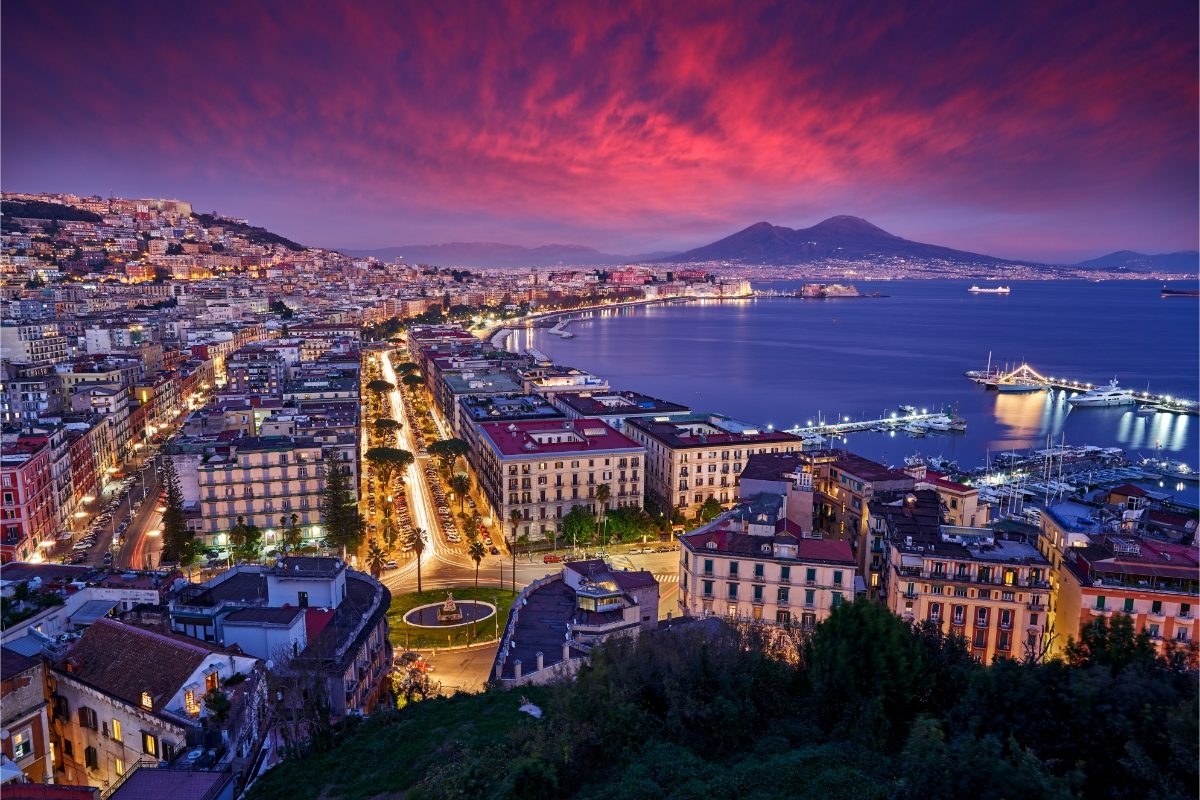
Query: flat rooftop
(537, 437)
(609, 403)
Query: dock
(906, 420)
(1025, 375)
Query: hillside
(1130, 261)
(868, 707)
(252, 233)
(836, 237)
(36, 209)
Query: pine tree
(179, 544)
(344, 527)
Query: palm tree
(237, 536)
(603, 492)
(376, 558)
(292, 535)
(476, 552)
(516, 518)
(418, 543)
(461, 484)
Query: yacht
(912, 429)
(1110, 395)
(993, 290)
(1020, 386)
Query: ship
(984, 290)
(1110, 395)
(1165, 292)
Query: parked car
(390, 565)
(493, 550)
(551, 558)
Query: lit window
(147, 701)
(116, 730)
(212, 681)
(22, 744)
(190, 704)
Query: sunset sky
(1036, 130)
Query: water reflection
(1022, 418)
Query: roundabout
(449, 614)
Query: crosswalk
(667, 578)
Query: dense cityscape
(282, 520)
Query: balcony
(913, 595)
(1036, 605)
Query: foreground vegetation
(868, 707)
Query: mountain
(1129, 261)
(836, 237)
(497, 254)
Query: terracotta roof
(633, 580)
(1129, 490)
(534, 438)
(125, 661)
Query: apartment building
(28, 392)
(40, 343)
(551, 381)
(754, 569)
(1097, 574)
(970, 582)
(544, 468)
(314, 617)
(692, 457)
(28, 492)
(264, 480)
(960, 503)
(123, 694)
(845, 483)
(23, 716)
(256, 370)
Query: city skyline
(1021, 132)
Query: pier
(1025, 375)
(907, 420)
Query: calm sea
(784, 362)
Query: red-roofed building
(728, 571)
(960, 503)
(1157, 584)
(543, 468)
(27, 493)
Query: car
(108, 557)
(390, 565)
(551, 558)
(77, 558)
(493, 550)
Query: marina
(906, 419)
(1025, 378)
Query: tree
(179, 544)
(344, 526)
(461, 484)
(386, 425)
(579, 524)
(418, 540)
(380, 386)
(389, 462)
(447, 452)
(470, 524)
(603, 492)
(476, 552)
(1112, 644)
(376, 558)
(412, 381)
(407, 367)
(709, 510)
(246, 540)
(292, 536)
(282, 309)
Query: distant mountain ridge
(498, 254)
(1130, 261)
(837, 237)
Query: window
(87, 718)
(1156, 607)
(1128, 608)
(733, 591)
(1100, 602)
(190, 704)
(147, 701)
(22, 744)
(935, 612)
(783, 595)
(758, 594)
(785, 574)
(1154, 631)
(1005, 618)
(119, 766)
(810, 596)
(733, 569)
(149, 744)
(302, 599)
(836, 600)
(1185, 610)
(708, 588)
(90, 758)
(708, 566)
(116, 730)
(1004, 641)
(783, 617)
(759, 571)
(960, 615)
(810, 575)
(981, 617)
